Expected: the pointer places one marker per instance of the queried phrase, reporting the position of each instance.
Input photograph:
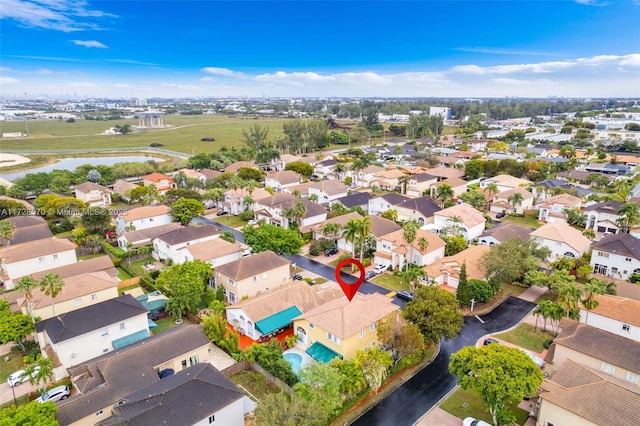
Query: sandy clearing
(7, 160)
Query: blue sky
(446, 48)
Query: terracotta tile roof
(472, 256)
(285, 177)
(470, 216)
(35, 249)
(508, 230)
(446, 172)
(344, 319)
(590, 396)
(340, 220)
(75, 286)
(252, 265)
(276, 199)
(618, 308)
(508, 180)
(234, 167)
(90, 186)
(397, 239)
(330, 187)
(100, 263)
(599, 344)
(372, 170)
(157, 177)
(390, 174)
(509, 193)
(564, 233)
(212, 249)
(296, 293)
(453, 182)
(381, 226)
(567, 200)
(122, 186)
(144, 212)
(210, 174)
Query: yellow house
(78, 292)
(341, 328)
(252, 275)
(104, 382)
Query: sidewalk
(533, 293)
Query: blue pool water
(295, 360)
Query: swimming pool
(295, 360)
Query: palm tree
(630, 216)
(365, 230)
(589, 302)
(51, 285)
(611, 288)
(569, 298)
(410, 230)
(295, 212)
(492, 189)
(331, 230)
(423, 244)
(44, 374)
(444, 193)
(456, 224)
(352, 234)
(516, 200)
(589, 233)
(7, 231)
(213, 194)
(27, 284)
(247, 201)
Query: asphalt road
(238, 234)
(416, 396)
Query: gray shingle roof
(111, 377)
(253, 265)
(508, 230)
(81, 321)
(621, 244)
(187, 397)
(188, 233)
(394, 199)
(357, 199)
(425, 205)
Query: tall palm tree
(27, 284)
(492, 189)
(569, 298)
(365, 230)
(589, 301)
(352, 234)
(516, 200)
(331, 230)
(7, 231)
(51, 285)
(423, 244)
(630, 216)
(295, 212)
(456, 224)
(410, 230)
(444, 193)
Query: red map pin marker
(349, 289)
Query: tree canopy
(14, 326)
(30, 414)
(511, 260)
(271, 237)
(435, 312)
(185, 209)
(184, 284)
(499, 374)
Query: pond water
(70, 163)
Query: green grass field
(184, 136)
(14, 364)
(467, 403)
(525, 336)
(391, 282)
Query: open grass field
(391, 282)
(184, 135)
(525, 336)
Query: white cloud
(599, 3)
(83, 84)
(67, 16)
(44, 71)
(8, 80)
(89, 43)
(500, 51)
(225, 72)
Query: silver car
(21, 376)
(55, 394)
(539, 361)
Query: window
(372, 327)
(77, 301)
(94, 296)
(99, 413)
(632, 377)
(373, 344)
(255, 279)
(119, 403)
(104, 332)
(607, 368)
(362, 333)
(41, 259)
(55, 256)
(311, 326)
(212, 419)
(627, 259)
(334, 339)
(122, 326)
(232, 297)
(265, 275)
(232, 282)
(626, 327)
(602, 254)
(193, 360)
(184, 364)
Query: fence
(246, 365)
(129, 282)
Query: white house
(17, 261)
(461, 218)
(363, 178)
(617, 315)
(80, 335)
(328, 191)
(143, 217)
(616, 256)
(603, 217)
(170, 244)
(93, 194)
(215, 252)
(505, 182)
(563, 240)
(271, 209)
(325, 167)
(381, 204)
(553, 208)
(502, 232)
(505, 202)
(392, 249)
(234, 201)
(419, 183)
(446, 270)
(283, 179)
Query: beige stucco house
(93, 195)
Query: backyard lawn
(467, 403)
(136, 265)
(254, 383)
(529, 221)
(525, 335)
(14, 364)
(165, 324)
(230, 220)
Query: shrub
(479, 290)
(319, 246)
(246, 215)
(547, 343)
(113, 251)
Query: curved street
(416, 396)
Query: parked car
(331, 251)
(297, 277)
(252, 222)
(380, 268)
(489, 341)
(20, 376)
(369, 274)
(470, 421)
(406, 295)
(314, 178)
(222, 213)
(500, 215)
(539, 361)
(55, 394)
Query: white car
(380, 268)
(539, 361)
(20, 376)
(55, 394)
(470, 421)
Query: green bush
(148, 283)
(116, 262)
(547, 343)
(246, 215)
(318, 247)
(479, 290)
(114, 251)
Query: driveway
(5, 391)
(416, 396)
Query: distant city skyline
(446, 48)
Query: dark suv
(331, 251)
